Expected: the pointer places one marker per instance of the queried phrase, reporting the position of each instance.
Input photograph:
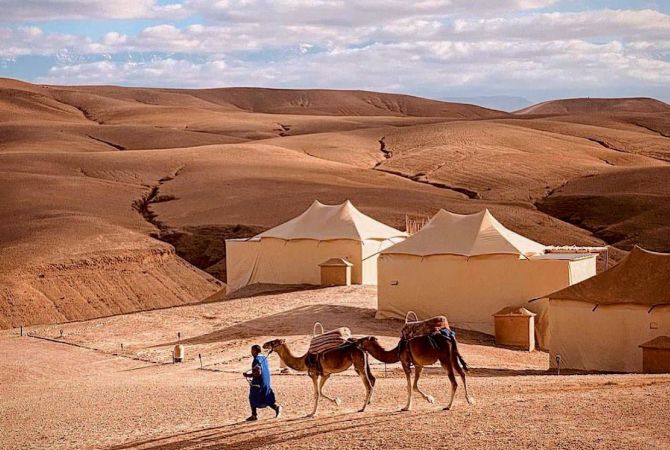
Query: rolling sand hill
(625, 207)
(319, 102)
(100, 182)
(598, 106)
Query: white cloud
(114, 39)
(348, 13)
(428, 46)
(645, 26)
(156, 72)
(33, 41)
(33, 10)
(439, 67)
(551, 26)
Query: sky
(536, 49)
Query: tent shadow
(300, 321)
(271, 289)
(259, 290)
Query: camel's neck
(380, 353)
(294, 362)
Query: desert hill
(598, 106)
(100, 182)
(625, 207)
(320, 102)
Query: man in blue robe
(260, 391)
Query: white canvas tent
(468, 267)
(600, 323)
(291, 252)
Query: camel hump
(329, 340)
(423, 327)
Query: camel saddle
(424, 327)
(329, 340)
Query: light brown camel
(330, 362)
(422, 351)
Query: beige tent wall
(606, 339)
(467, 291)
(542, 332)
(581, 269)
(371, 249)
(277, 261)
(241, 259)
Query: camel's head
(274, 344)
(367, 340)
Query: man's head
(255, 350)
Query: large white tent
(600, 323)
(291, 252)
(468, 267)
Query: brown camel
(421, 351)
(330, 362)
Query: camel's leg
(408, 375)
(366, 376)
(446, 365)
(461, 372)
(373, 380)
(323, 380)
(417, 375)
(317, 394)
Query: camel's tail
(454, 348)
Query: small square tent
(599, 324)
(468, 267)
(290, 253)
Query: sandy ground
(91, 394)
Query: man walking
(260, 390)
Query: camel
(330, 362)
(421, 352)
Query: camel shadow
(282, 432)
(490, 372)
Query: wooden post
(21, 332)
(200, 358)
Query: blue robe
(446, 332)
(260, 393)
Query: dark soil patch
(205, 246)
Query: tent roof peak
(641, 277)
(475, 234)
(330, 222)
